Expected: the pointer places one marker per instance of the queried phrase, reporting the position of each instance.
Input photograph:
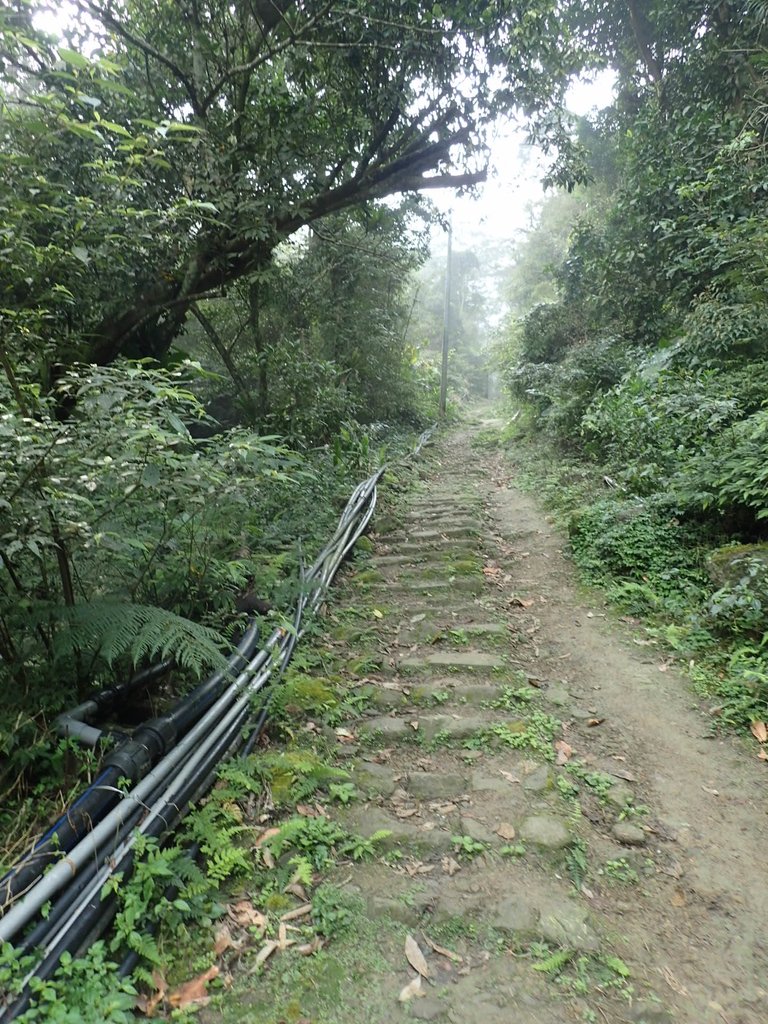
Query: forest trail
(567, 841)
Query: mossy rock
(365, 544)
(727, 566)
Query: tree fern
(112, 629)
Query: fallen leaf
(443, 808)
(522, 602)
(193, 991)
(591, 722)
(223, 939)
(264, 954)
(763, 755)
(506, 831)
(378, 614)
(307, 948)
(295, 889)
(244, 913)
(412, 990)
(406, 812)
(759, 731)
(292, 915)
(267, 835)
(678, 898)
(415, 957)
(619, 773)
(508, 776)
(450, 866)
(442, 950)
(148, 1004)
(564, 751)
(414, 725)
(307, 810)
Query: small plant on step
(466, 846)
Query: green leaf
(77, 60)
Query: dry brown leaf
(267, 834)
(148, 1004)
(283, 942)
(296, 889)
(450, 866)
(412, 990)
(506, 831)
(759, 731)
(307, 810)
(564, 751)
(268, 858)
(244, 913)
(678, 898)
(592, 722)
(264, 954)
(193, 991)
(522, 602)
(508, 776)
(223, 939)
(415, 957)
(763, 755)
(291, 915)
(443, 808)
(443, 951)
(307, 948)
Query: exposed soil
(549, 784)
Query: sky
(502, 208)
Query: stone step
(425, 533)
(468, 661)
(439, 691)
(457, 584)
(436, 624)
(411, 728)
(442, 545)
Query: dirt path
(565, 842)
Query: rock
(428, 1008)
(565, 923)
(646, 1012)
(619, 795)
(728, 565)
(517, 915)
(558, 696)
(545, 831)
(538, 781)
(482, 782)
(374, 779)
(409, 910)
(452, 728)
(386, 727)
(433, 786)
(476, 830)
(454, 659)
(628, 834)
(470, 756)
(421, 840)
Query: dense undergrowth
(266, 845)
(645, 372)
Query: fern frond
(112, 629)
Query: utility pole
(446, 326)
